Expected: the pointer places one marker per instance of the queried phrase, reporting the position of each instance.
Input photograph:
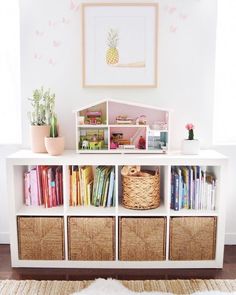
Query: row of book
(43, 185)
(192, 187)
(92, 188)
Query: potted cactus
(42, 103)
(54, 143)
(190, 146)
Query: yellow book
(78, 191)
(74, 185)
(87, 177)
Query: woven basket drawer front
(41, 238)
(142, 238)
(192, 238)
(91, 238)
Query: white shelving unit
(17, 163)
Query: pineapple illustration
(112, 54)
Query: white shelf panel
(121, 151)
(160, 211)
(118, 264)
(40, 211)
(193, 212)
(129, 125)
(93, 126)
(90, 211)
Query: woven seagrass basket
(142, 238)
(141, 192)
(40, 238)
(192, 238)
(91, 238)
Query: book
(34, 187)
(45, 187)
(100, 185)
(27, 196)
(39, 184)
(111, 188)
(74, 183)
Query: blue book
(176, 204)
(111, 187)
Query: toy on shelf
(117, 141)
(141, 120)
(141, 143)
(92, 140)
(124, 119)
(93, 118)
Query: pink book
(58, 186)
(27, 189)
(39, 183)
(34, 187)
(50, 191)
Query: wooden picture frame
(119, 44)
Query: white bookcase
(17, 163)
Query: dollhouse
(115, 126)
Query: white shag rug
(114, 287)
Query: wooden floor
(6, 272)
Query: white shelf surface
(90, 211)
(71, 155)
(129, 125)
(193, 212)
(40, 211)
(93, 126)
(160, 211)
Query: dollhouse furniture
(123, 124)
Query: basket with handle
(141, 191)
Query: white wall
(51, 56)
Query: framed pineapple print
(119, 44)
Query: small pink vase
(54, 145)
(38, 133)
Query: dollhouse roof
(121, 102)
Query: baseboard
(230, 239)
(4, 238)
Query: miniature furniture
(116, 237)
(122, 124)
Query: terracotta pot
(190, 147)
(38, 133)
(54, 145)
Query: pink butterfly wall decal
(37, 56)
(173, 29)
(53, 23)
(74, 6)
(183, 16)
(65, 21)
(56, 43)
(171, 9)
(39, 33)
(52, 62)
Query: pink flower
(189, 126)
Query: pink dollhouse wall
(116, 109)
(128, 132)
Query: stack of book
(192, 187)
(43, 185)
(87, 189)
